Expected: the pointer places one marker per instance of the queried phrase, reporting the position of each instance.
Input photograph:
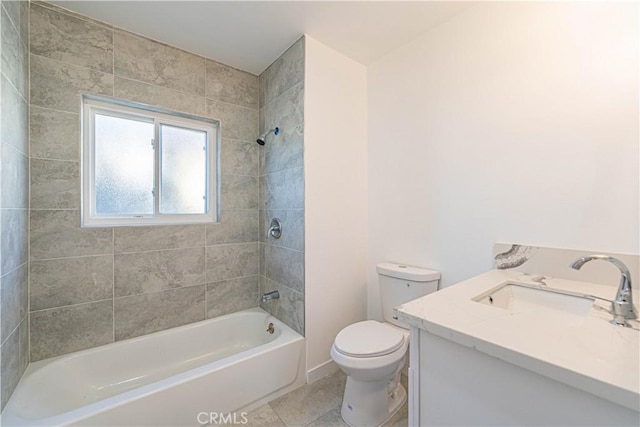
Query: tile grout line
(204, 284)
(52, 109)
(84, 67)
(231, 103)
(161, 225)
(15, 330)
(15, 26)
(8, 144)
(322, 415)
(14, 269)
(282, 170)
(70, 305)
(55, 160)
(158, 291)
(113, 62)
(289, 288)
(237, 174)
(69, 257)
(13, 147)
(67, 12)
(22, 96)
(301, 82)
(284, 247)
(28, 314)
(205, 98)
(145, 251)
(207, 282)
(237, 141)
(277, 415)
(56, 209)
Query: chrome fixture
(622, 307)
(262, 138)
(275, 229)
(270, 295)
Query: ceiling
(250, 35)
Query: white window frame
(92, 105)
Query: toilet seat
(368, 339)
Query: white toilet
(372, 353)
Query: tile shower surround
(282, 185)
(14, 202)
(93, 286)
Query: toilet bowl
(373, 353)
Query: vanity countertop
(587, 353)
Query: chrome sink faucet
(622, 307)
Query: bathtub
(187, 376)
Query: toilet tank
(400, 284)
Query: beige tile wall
(14, 200)
(93, 286)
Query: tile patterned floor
(313, 405)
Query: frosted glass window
(143, 165)
(183, 170)
(123, 166)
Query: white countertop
(587, 353)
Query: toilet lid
(368, 339)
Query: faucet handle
(275, 228)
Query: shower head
(262, 138)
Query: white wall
(511, 122)
(335, 167)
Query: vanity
(506, 348)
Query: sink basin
(521, 298)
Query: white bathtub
(177, 377)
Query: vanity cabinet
(538, 361)
(452, 384)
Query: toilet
(373, 353)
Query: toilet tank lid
(401, 271)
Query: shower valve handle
(275, 229)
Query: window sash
(160, 169)
(132, 111)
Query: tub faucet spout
(622, 307)
(270, 295)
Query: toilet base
(369, 403)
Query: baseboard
(320, 371)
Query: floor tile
(400, 418)
(310, 402)
(315, 405)
(330, 419)
(264, 416)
